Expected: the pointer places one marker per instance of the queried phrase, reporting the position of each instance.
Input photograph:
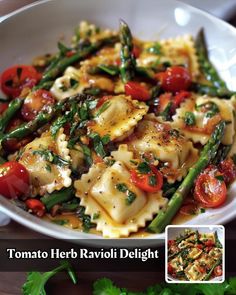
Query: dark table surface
(10, 283)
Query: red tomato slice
(200, 246)
(36, 206)
(180, 97)
(228, 169)
(14, 180)
(209, 191)
(35, 102)
(209, 243)
(14, 79)
(218, 271)
(3, 107)
(174, 79)
(137, 91)
(170, 268)
(143, 181)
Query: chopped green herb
(109, 69)
(86, 219)
(51, 157)
(144, 168)
(74, 83)
(189, 119)
(98, 143)
(166, 114)
(122, 187)
(219, 177)
(88, 155)
(105, 139)
(131, 196)
(109, 162)
(104, 107)
(96, 215)
(155, 49)
(152, 180)
(202, 210)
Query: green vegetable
(208, 153)
(99, 142)
(86, 219)
(84, 51)
(51, 157)
(143, 168)
(104, 69)
(155, 48)
(217, 241)
(57, 197)
(189, 119)
(166, 114)
(36, 281)
(10, 112)
(105, 286)
(212, 90)
(128, 62)
(222, 153)
(102, 109)
(130, 196)
(218, 262)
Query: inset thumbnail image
(195, 254)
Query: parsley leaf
(36, 281)
(104, 107)
(189, 119)
(144, 168)
(98, 143)
(105, 287)
(155, 48)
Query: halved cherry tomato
(36, 206)
(228, 169)
(218, 271)
(189, 209)
(174, 79)
(171, 242)
(209, 243)
(14, 180)
(34, 103)
(14, 79)
(3, 107)
(199, 246)
(170, 268)
(143, 181)
(209, 191)
(137, 91)
(180, 97)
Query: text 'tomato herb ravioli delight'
(113, 134)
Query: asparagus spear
(212, 90)
(44, 117)
(128, 63)
(13, 107)
(208, 153)
(58, 197)
(207, 68)
(81, 53)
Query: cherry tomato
(174, 79)
(228, 169)
(36, 206)
(199, 246)
(170, 268)
(143, 181)
(14, 180)
(34, 103)
(209, 243)
(180, 97)
(3, 107)
(209, 191)
(137, 91)
(171, 242)
(218, 271)
(136, 51)
(14, 79)
(189, 209)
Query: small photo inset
(195, 254)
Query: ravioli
(194, 272)
(178, 51)
(166, 144)
(202, 108)
(47, 161)
(119, 214)
(119, 118)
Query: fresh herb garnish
(74, 83)
(109, 69)
(51, 157)
(88, 154)
(96, 215)
(189, 119)
(143, 168)
(167, 112)
(98, 143)
(60, 221)
(219, 177)
(155, 48)
(103, 108)
(130, 196)
(86, 219)
(48, 168)
(152, 180)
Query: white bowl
(36, 29)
